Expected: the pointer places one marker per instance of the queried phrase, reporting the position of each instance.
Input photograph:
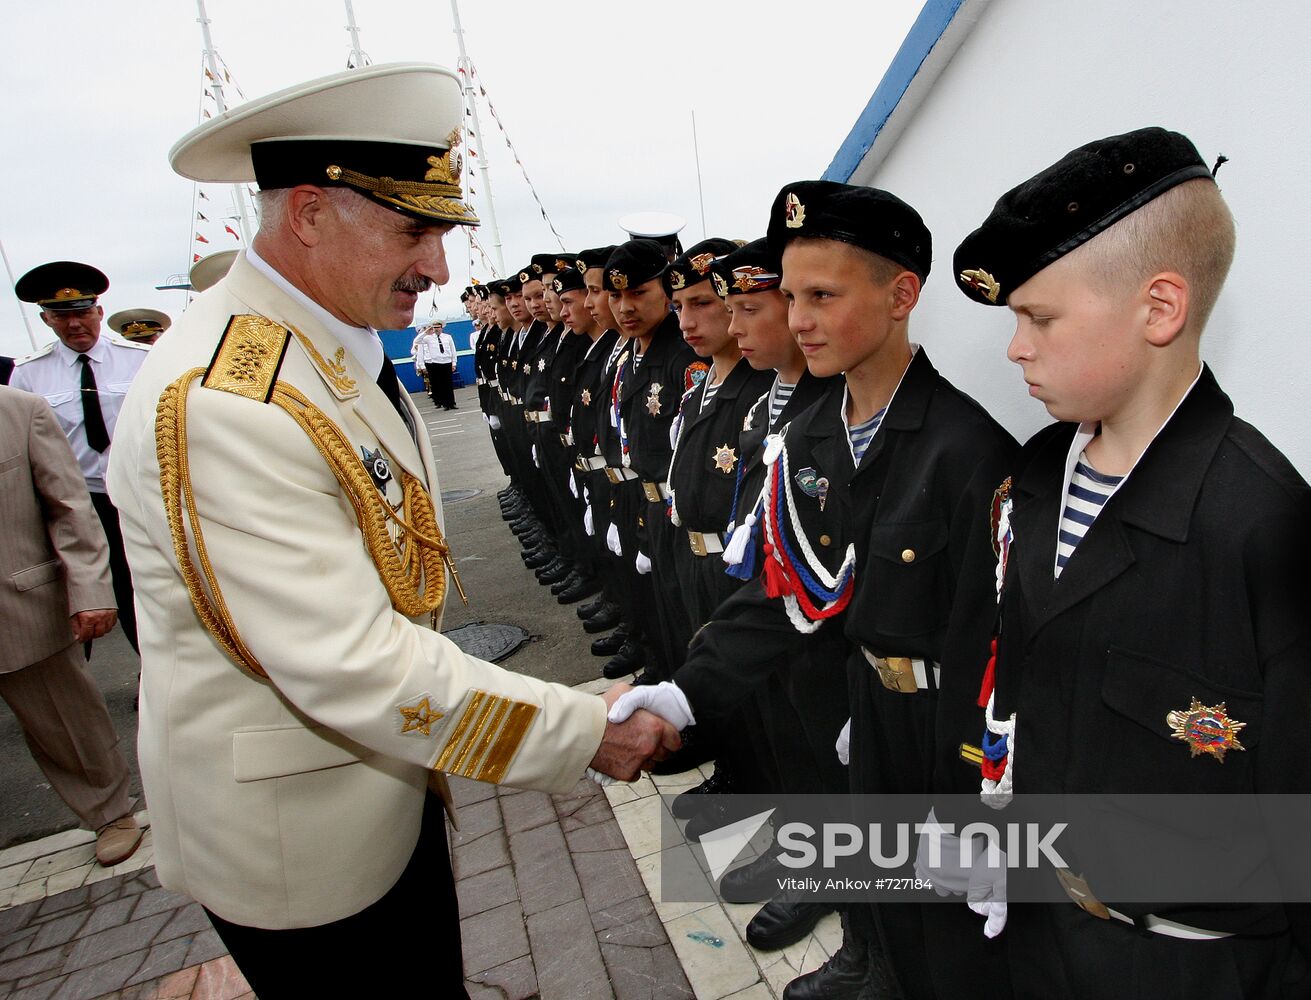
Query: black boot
(560, 586)
(554, 572)
(606, 618)
(585, 587)
(784, 921)
(585, 611)
(610, 644)
(689, 803)
(845, 976)
(627, 661)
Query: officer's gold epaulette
(248, 357)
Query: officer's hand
(613, 693)
(629, 747)
(665, 699)
(88, 625)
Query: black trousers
(413, 929)
(441, 384)
(118, 568)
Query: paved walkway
(559, 895)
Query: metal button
(825, 540)
(908, 555)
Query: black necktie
(94, 421)
(390, 386)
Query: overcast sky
(597, 98)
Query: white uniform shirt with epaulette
(54, 373)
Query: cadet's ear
(905, 294)
(306, 208)
(1166, 297)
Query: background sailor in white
(84, 377)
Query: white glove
(643, 563)
(982, 884)
(494, 422)
(599, 778)
(843, 745)
(587, 521)
(535, 462)
(664, 699)
(612, 540)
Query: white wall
(1036, 78)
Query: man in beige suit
(280, 505)
(53, 555)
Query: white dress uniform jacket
(296, 800)
(54, 372)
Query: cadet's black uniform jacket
(584, 409)
(1191, 583)
(649, 398)
(907, 509)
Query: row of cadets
(661, 368)
(1151, 553)
(880, 475)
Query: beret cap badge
(702, 261)
(982, 282)
(677, 279)
(721, 286)
(794, 212)
(619, 280)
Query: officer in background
(141, 326)
(84, 377)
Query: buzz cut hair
(1188, 230)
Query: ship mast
(466, 70)
(211, 63)
(358, 56)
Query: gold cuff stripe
(516, 728)
(461, 728)
(483, 743)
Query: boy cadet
(293, 717)
(883, 476)
(1155, 592)
(660, 370)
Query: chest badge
(725, 458)
(808, 479)
(527, 367)
(653, 399)
(378, 466)
(586, 397)
(1206, 729)
(541, 364)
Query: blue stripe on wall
(919, 42)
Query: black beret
(62, 286)
(750, 268)
(634, 263)
(482, 291)
(865, 217)
(693, 267)
(530, 272)
(1066, 205)
(596, 257)
(568, 279)
(553, 263)
(512, 285)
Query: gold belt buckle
(1077, 889)
(897, 673)
(652, 492)
(613, 476)
(698, 543)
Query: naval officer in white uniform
(280, 505)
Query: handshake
(642, 727)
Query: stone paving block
(71, 879)
(46, 845)
(178, 985)
(157, 901)
(220, 979)
(602, 836)
(60, 861)
(108, 889)
(466, 792)
(569, 964)
(526, 811)
(205, 946)
(515, 980)
(476, 820)
(184, 922)
(162, 960)
(640, 822)
(493, 938)
(40, 991)
(482, 892)
(98, 980)
(56, 932)
(31, 966)
(16, 917)
(607, 877)
(758, 992)
(645, 973)
(633, 923)
(542, 869)
(97, 949)
(27, 892)
(18, 944)
(13, 874)
(63, 901)
(715, 961)
(111, 914)
(482, 855)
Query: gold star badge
(418, 718)
(586, 397)
(1206, 729)
(653, 399)
(725, 458)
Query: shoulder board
(130, 345)
(34, 355)
(248, 357)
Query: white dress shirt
(422, 349)
(441, 348)
(56, 374)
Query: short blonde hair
(1188, 230)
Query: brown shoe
(118, 841)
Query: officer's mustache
(419, 284)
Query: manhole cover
(455, 496)
(488, 642)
